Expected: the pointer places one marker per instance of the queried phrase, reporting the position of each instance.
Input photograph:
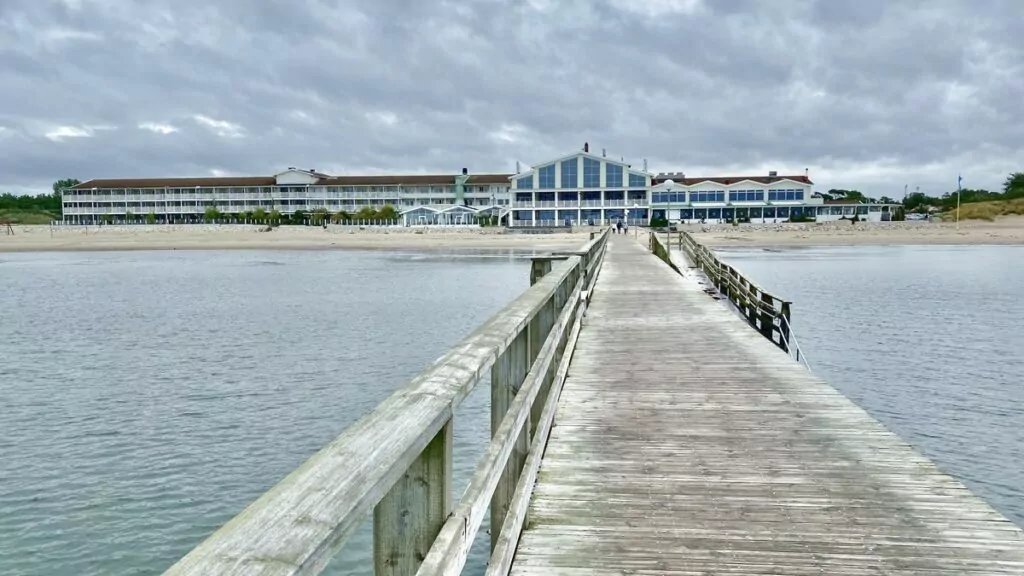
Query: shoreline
(201, 237)
(1002, 232)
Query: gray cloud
(865, 93)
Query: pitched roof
(626, 165)
(726, 180)
(176, 182)
(241, 181)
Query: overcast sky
(867, 94)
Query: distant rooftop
(681, 178)
(320, 180)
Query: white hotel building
(579, 188)
(422, 199)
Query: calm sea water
(928, 340)
(148, 397)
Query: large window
(591, 173)
(666, 197)
(546, 177)
(707, 196)
(525, 183)
(637, 180)
(746, 196)
(570, 173)
(612, 175)
(785, 195)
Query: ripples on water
(150, 396)
(927, 339)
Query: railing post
(407, 520)
(507, 376)
(784, 328)
(539, 267)
(767, 319)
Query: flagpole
(958, 181)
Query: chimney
(604, 153)
(586, 147)
(517, 167)
(807, 173)
(465, 171)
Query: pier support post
(507, 377)
(539, 267)
(784, 327)
(409, 517)
(766, 318)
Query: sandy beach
(1009, 230)
(231, 237)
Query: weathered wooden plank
(713, 452)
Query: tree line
(1013, 188)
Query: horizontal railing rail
(396, 462)
(765, 312)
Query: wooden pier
(639, 426)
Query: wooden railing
(396, 462)
(765, 312)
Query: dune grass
(27, 216)
(988, 211)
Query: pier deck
(685, 443)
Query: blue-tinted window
(546, 176)
(707, 196)
(570, 174)
(612, 175)
(637, 180)
(786, 195)
(525, 183)
(746, 195)
(591, 173)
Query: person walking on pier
(618, 225)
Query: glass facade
(546, 176)
(637, 180)
(525, 183)
(612, 175)
(570, 173)
(591, 173)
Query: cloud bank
(866, 94)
